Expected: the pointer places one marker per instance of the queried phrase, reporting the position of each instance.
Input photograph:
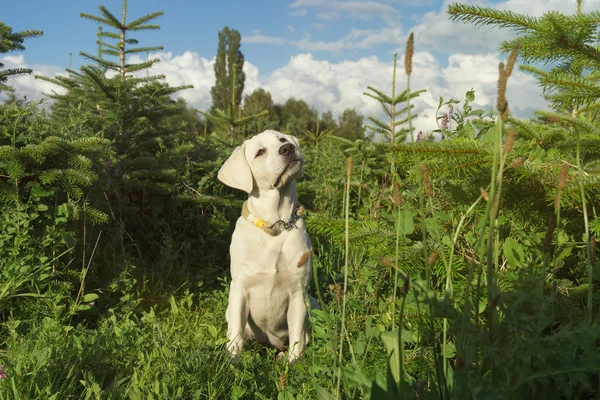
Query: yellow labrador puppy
(270, 248)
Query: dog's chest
(279, 260)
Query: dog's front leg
(237, 316)
(296, 317)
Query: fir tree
(116, 100)
(12, 41)
(391, 106)
(121, 49)
(570, 42)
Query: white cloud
(328, 16)
(336, 86)
(355, 39)
(186, 69)
(264, 39)
(437, 32)
(28, 85)
(299, 13)
(356, 8)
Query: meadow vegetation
(454, 264)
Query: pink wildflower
(450, 112)
(445, 122)
(3, 374)
(419, 136)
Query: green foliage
(258, 102)
(297, 117)
(350, 125)
(12, 41)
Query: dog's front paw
(234, 348)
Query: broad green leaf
(513, 251)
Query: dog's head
(268, 160)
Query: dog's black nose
(287, 149)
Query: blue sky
(325, 52)
(193, 25)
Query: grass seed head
(432, 258)
(517, 162)
(510, 141)
(282, 380)
(397, 194)
(410, 49)
(349, 163)
(562, 178)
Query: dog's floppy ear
(236, 171)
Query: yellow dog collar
(272, 229)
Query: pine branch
(98, 79)
(144, 19)
(244, 120)
(97, 19)
(144, 49)
(380, 124)
(114, 20)
(146, 28)
(380, 95)
(111, 35)
(29, 33)
(576, 122)
(101, 61)
(110, 46)
(140, 66)
(481, 16)
(13, 72)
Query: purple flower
(445, 122)
(3, 374)
(419, 136)
(450, 112)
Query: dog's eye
(283, 140)
(260, 153)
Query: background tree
(256, 102)
(327, 122)
(297, 117)
(12, 41)
(350, 125)
(229, 63)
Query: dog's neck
(272, 205)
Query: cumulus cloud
(28, 85)
(435, 31)
(356, 8)
(258, 38)
(355, 39)
(337, 86)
